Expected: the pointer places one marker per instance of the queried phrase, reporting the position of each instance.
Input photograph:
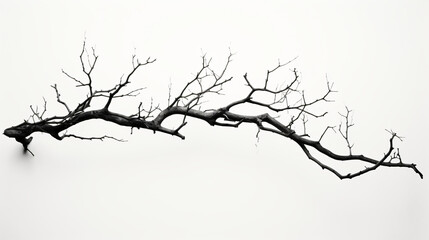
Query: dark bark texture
(287, 99)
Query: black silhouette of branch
(348, 125)
(287, 99)
(91, 138)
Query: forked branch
(287, 99)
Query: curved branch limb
(23, 130)
(206, 81)
(376, 163)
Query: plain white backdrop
(218, 183)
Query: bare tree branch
(287, 99)
(92, 138)
(348, 125)
(58, 98)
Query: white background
(218, 183)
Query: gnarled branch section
(287, 99)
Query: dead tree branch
(288, 99)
